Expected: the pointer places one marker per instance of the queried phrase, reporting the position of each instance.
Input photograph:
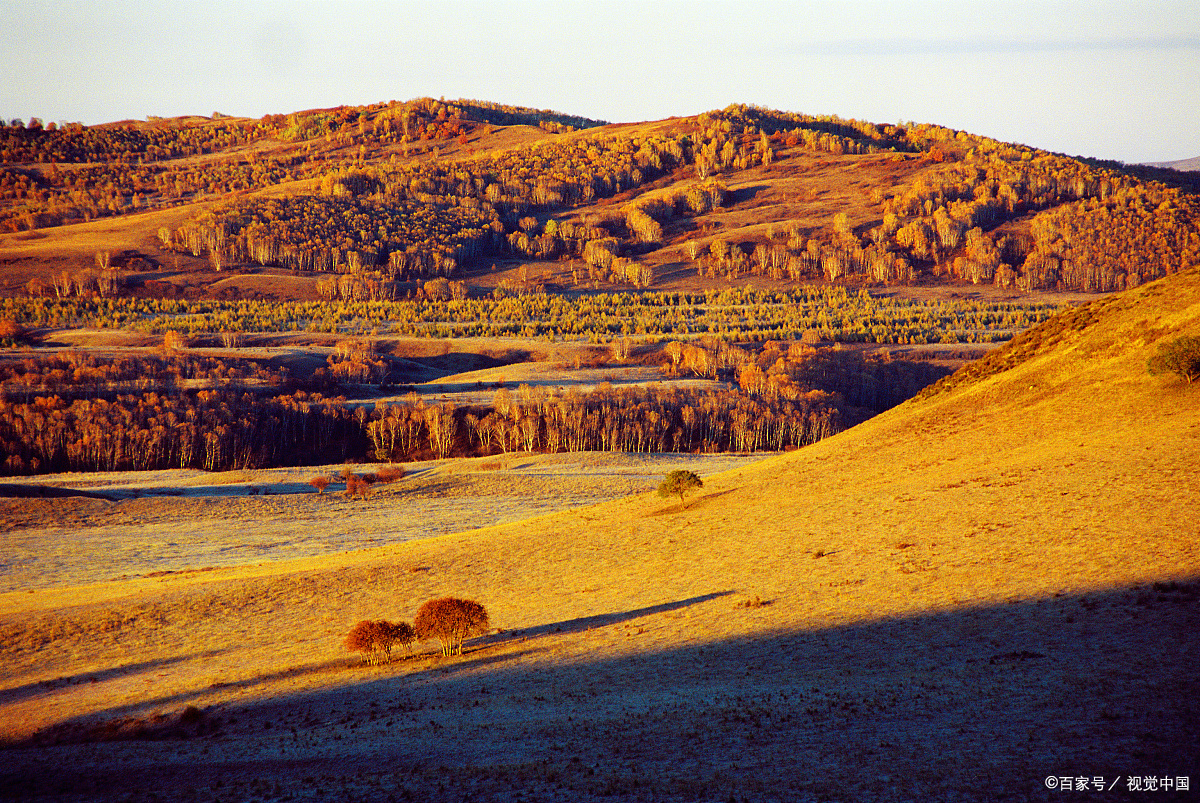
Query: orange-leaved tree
(375, 639)
(450, 621)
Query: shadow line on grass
(699, 501)
(970, 704)
(18, 693)
(584, 623)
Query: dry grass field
(155, 523)
(978, 590)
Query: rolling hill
(978, 593)
(393, 194)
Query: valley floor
(153, 523)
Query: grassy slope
(959, 605)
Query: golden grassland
(981, 588)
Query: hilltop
(990, 585)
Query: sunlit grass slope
(988, 585)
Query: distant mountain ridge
(1178, 164)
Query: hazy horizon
(1115, 80)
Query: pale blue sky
(1106, 78)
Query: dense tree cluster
(1091, 229)
(74, 173)
(416, 217)
(740, 137)
(965, 216)
(786, 396)
(215, 430)
(876, 382)
(75, 372)
(84, 173)
(1123, 240)
(129, 142)
(346, 235)
(548, 174)
(609, 419)
(376, 639)
(502, 114)
(451, 620)
(43, 198)
(1094, 228)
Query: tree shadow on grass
(480, 653)
(698, 502)
(744, 194)
(145, 720)
(46, 491)
(585, 623)
(16, 694)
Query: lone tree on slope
(678, 483)
(1180, 356)
(450, 620)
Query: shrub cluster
(375, 639)
(450, 620)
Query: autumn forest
(795, 269)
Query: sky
(1105, 78)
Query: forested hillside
(737, 246)
(397, 191)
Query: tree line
(801, 396)
(829, 312)
(75, 372)
(212, 430)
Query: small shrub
(191, 715)
(320, 483)
(450, 621)
(389, 474)
(375, 639)
(356, 487)
(680, 482)
(1180, 356)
